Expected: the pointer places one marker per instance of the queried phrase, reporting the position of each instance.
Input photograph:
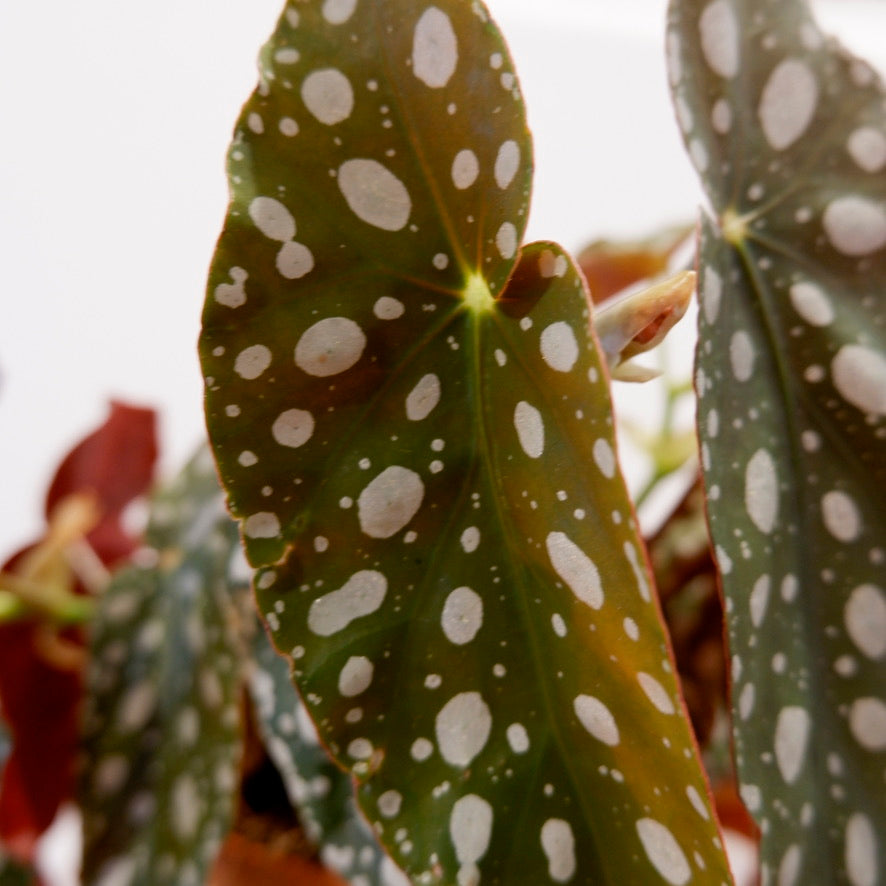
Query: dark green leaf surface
(12, 873)
(161, 729)
(422, 457)
(320, 792)
(789, 135)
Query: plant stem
(18, 595)
(649, 487)
(661, 451)
(11, 607)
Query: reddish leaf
(242, 861)
(41, 669)
(686, 579)
(116, 463)
(611, 266)
(40, 703)
(732, 812)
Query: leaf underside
(788, 133)
(161, 734)
(412, 422)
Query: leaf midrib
(520, 584)
(805, 567)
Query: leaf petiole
(21, 596)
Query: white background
(116, 117)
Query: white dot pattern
(405, 418)
(791, 376)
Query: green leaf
(161, 730)
(320, 792)
(412, 420)
(14, 873)
(789, 134)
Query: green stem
(11, 607)
(673, 393)
(20, 597)
(649, 487)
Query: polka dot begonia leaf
(161, 729)
(321, 793)
(788, 132)
(411, 418)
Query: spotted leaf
(412, 420)
(161, 729)
(789, 134)
(320, 792)
(115, 463)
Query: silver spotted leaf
(788, 132)
(320, 792)
(411, 418)
(161, 734)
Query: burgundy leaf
(116, 463)
(41, 668)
